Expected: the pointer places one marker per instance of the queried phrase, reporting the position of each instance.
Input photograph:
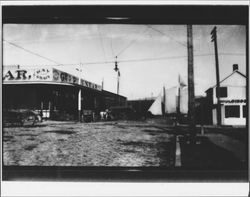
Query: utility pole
(214, 39)
(79, 94)
(118, 73)
(118, 81)
(118, 78)
(79, 104)
(102, 83)
(191, 98)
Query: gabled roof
(236, 71)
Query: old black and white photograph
(121, 94)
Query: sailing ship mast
(163, 102)
(172, 101)
(178, 112)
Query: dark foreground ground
(120, 143)
(222, 148)
(144, 150)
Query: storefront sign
(60, 76)
(28, 75)
(46, 74)
(234, 101)
(43, 74)
(17, 75)
(90, 85)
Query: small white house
(232, 99)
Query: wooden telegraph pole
(214, 39)
(118, 80)
(191, 99)
(79, 104)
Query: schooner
(172, 101)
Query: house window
(244, 111)
(232, 111)
(223, 92)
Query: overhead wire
(120, 61)
(31, 52)
(102, 45)
(146, 59)
(131, 42)
(111, 45)
(163, 33)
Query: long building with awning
(55, 94)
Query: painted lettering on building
(16, 75)
(234, 101)
(61, 76)
(90, 85)
(42, 74)
(27, 75)
(46, 74)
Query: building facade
(232, 98)
(54, 94)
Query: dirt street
(120, 143)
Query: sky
(149, 56)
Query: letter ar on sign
(17, 75)
(8, 76)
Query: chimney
(235, 67)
